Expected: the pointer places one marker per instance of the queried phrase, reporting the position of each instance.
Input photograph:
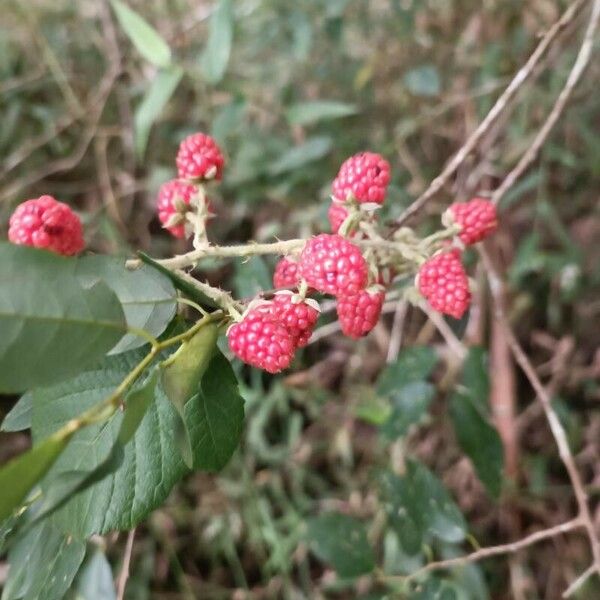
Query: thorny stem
(219, 296)
(395, 247)
(241, 250)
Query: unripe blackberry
(364, 177)
(359, 313)
(444, 282)
(173, 203)
(333, 265)
(298, 315)
(286, 273)
(477, 219)
(46, 223)
(336, 214)
(199, 158)
(262, 341)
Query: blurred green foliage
(93, 107)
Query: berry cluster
(46, 223)
(358, 189)
(354, 264)
(271, 331)
(182, 200)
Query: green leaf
(218, 48)
(304, 113)
(181, 375)
(95, 580)
(409, 405)
(69, 483)
(46, 341)
(137, 403)
(475, 377)
(229, 119)
(19, 418)
(342, 541)
(132, 484)
(215, 416)
(144, 37)
(418, 505)
(182, 371)
(158, 95)
(251, 276)
(43, 564)
(181, 284)
(469, 410)
(373, 409)
(311, 150)
(403, 383)
(423, 81)
(413, 364)
(149, 299)
(19, 475)
(6, 528)
(400, 508)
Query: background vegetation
(290, 90)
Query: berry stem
(442, 234)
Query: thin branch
(484, 553)
(242, 250)
(445, 330)
(402, 250)
(69, 162)
(396, 332)
(501, 104)
(579, 581)
(558, 431)
(124, 574)
(579, 66)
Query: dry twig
(579, 66)
(558, 431)
(484, 553)
(124, 574)
(499, 107)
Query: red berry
(477, 219)
(286, 273)
(299, 316)
(199, 157)
(262, 341)
(336, 214)
(46, 223)
(364, 176)
(173, 199)
(443, 281)
(333, 265)
(359, 313)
